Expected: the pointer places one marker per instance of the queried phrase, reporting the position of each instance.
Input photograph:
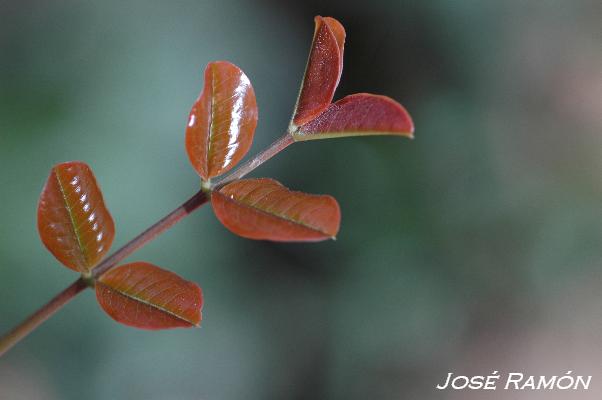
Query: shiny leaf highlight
(222, 121)
(73, 221)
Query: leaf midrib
(210, 138)
(152, 305)
(74, 226)
(242, 204)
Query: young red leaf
(145, 296)
(359, 114)
(222, 121)
(323, 70)
(73, 222)
(264, 209)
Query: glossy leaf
(145, 296)
(264, 209)
(323, 70)
(359, 114)
(222, 121)
(73, 221)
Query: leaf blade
(145, 296)
(360, 114)
(263, 209)
(323, 71)
(73, 221)
(222, 121)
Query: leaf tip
(410, 123)
(410, 132)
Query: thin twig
(158, 228)
(32, 322)
(245, 168)
(35, 319)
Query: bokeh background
(475, 248)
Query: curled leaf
(323, 70)
(145, 296)
(359, 114)
(73, 221)
(264, 209)
(222, 121)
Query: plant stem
(245, 168)
(32, 322)
(158, 228)
(35, 319)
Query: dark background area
(474, 248)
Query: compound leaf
(222, 121)
(264, 209)
(145, 296)
(73, 221)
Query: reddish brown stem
(158, 228)
(34, 320)
(245, 168)
(31, 323)
(200, 198)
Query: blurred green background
(474, 248)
